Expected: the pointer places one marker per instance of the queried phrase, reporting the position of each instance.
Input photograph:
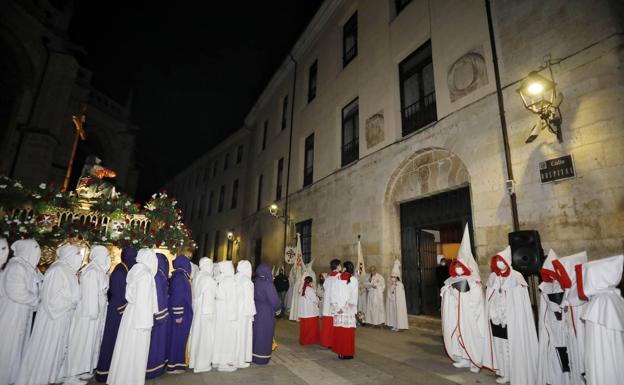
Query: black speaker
(527, 254)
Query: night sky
(196, 68)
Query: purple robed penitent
(157, 358)
(267, 303)
(180, 308)
(116, 306)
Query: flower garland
(166, 229)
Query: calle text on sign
(556, 169)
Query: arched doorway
(427, 205)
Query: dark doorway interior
(428, 225)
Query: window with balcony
(305, 231)
(259, 197)
(349, 40)
(239, 154)
(210, 199)
(350, 133)
(308, 161)
(312, 81)
(221, 198)
(234, 194)
(418, 99)
(226, 162)
(280, 172)
(264, 134)
(214, 168)
(284, 112)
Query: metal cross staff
(79, 122)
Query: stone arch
(426, 172)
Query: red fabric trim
(495, 268)
(309, 332)
(454, 264)
(327, 331)
(344, 341)
(578, 269)
(549, 275)
(334, 273)
(345, 276)
(564, 278)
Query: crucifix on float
(79, 122)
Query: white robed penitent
(463, 310)
(561, 331)
(224, 348)
(396, 307)
(85, 335)
(604, 320)
(19, 297)
(297, 285)
(133, 339)
(47, 347)
(204, 317)
(246, 312)
(375, 309)
(511, 347)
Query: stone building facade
(41, 86)
(419, 93)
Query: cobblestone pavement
(381, 357)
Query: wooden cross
(79, 122)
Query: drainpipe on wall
(292, 117)
(503, 121)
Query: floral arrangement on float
(51, 217)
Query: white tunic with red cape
(508, 305)
(463, 313)
(604, 320)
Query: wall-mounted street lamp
(539, 95)
(275, 212)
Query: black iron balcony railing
(419, 114)
(350, 151)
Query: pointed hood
(503, 256)
(182, 262)
(396, 269)
(564, 267)
(226, 269)
(206, 265)
(100, 257)
(128, 257)
(548, 272)
(27, 250)
(148, 258)
(600, 275)
(360, 268)
(263, 272)
(465, 258)
(163, 263)
(70, 255)
(244, 269)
